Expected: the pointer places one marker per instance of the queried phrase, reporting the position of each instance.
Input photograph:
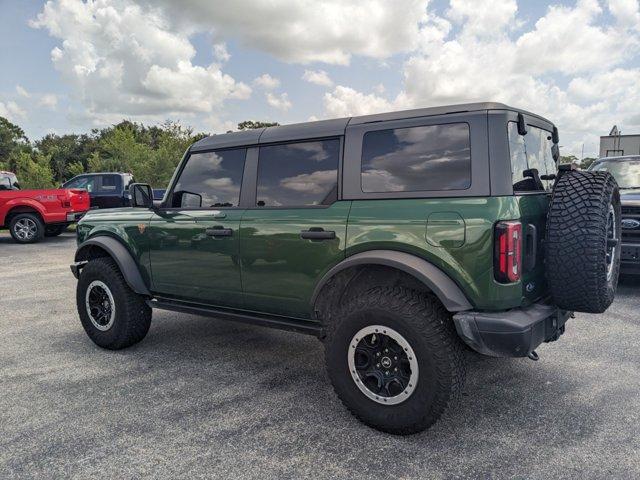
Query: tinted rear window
(432, 157)
(109, 184)
(298, 174)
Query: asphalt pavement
(203, 398)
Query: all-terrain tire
(53, 230)
(422, 320)
(132, 317)
(26, 228)
(576, 246)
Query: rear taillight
(64, 201)
(508, 251)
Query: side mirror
(141, 195)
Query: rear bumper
(75, 216)
(513, 333)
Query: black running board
(274, 321)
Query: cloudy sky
(71, 65)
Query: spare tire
(582, 246)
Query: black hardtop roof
(336, 127)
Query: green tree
(66, 150)
(586, 162)
(13, 141)
(568, 159)
(251, 124)
(34, 170)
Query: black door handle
(316, 233)
(219, 232)
(530, 248)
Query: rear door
(108, 191)
(528, 152)
(295, 231)
(194, 238)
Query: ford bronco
(400, 240)
(31, 215)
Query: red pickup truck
(31, 215)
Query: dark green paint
(280, 269)
(266, 267)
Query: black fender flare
(122, 257)
(449, 293)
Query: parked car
(8, 181)
(158, 193)
(398, 239)
(626, 171)
(31, 215)
(107, 190)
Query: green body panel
(266, 267)
(189, 264)
(402, 225)
(122, 223)
(533, 211)
(279, 269)
(445, 229)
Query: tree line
(150, 153)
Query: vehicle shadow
(276, 366)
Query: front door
(296, 230)
(194, 251)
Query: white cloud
(266, 82)
(12, 111)
(216, 125)
(570, 40)
(22, 92)
(307, 31)
(220, 52)
(626, 12)
(483, 17)
(318, 77)
(281, 102)
(345, 102)
(124, 59)
(48, 100)
(483, 60)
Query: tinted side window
(432, 157)
(109, 184)
(87, 183)
(211, 179)
(298, 174)
(530, 151)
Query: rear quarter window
(109, 184)
(530, 151)
(423, 158)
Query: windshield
(9, 182)
(626, 172)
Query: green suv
(401, 240)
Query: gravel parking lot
(205, 398)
